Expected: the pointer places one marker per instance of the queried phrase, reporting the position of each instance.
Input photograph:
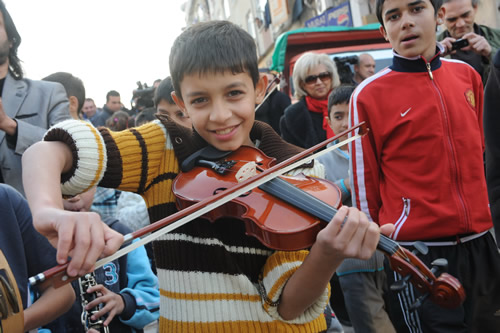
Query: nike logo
(404, 113)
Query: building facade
(265, 20)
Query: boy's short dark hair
(73, 85)
(163, 91)
(213, 47)
(435, 3)
(339, 95)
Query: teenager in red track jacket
(420, 166)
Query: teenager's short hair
(213, 47)
(305, 63)
(73, 85)
(112, 93)
(380, 3)
(341, 94)
(14, 38)
(163, 91)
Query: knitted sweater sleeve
(129, 160)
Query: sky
(108, 44)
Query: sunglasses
(324, 76)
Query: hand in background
(113, 303)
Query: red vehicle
(338, 42)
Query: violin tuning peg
(418, 302)
(439, 265)
(399, 285)
(420, 248)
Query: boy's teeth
(225, 131)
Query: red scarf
(320, 106)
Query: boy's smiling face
(410, 27)
(221, 106)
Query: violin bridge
(247, 171)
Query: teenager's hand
(81, 236)
(477, 44)
(113, 303)
(356, 238)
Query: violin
(445, 290)
(286, 213)
(11, 306)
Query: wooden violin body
(276, 223)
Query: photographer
(142, 98)
(482, 41)
(345, 73)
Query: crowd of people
(77, 181)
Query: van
(340, 43)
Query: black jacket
(301, 127)
(492, 137)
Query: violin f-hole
(220, 189)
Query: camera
(142, 96)
(344, 68)
(459, 43)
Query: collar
(187, 141)
(416, 64)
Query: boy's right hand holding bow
(79, 235)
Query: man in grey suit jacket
(27, 107)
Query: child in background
(363, 282)
(118, 121)
(165, 104)
(213, 277)
(127, 287)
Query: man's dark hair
(73, 86)
(112, 93)
(340, 95)
(163, 91)
(435, 3)
(14, 38)
(213, 47)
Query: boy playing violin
(421, 166)
(212, 276)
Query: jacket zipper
(406, 206)
(454, 168)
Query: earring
(440, 21)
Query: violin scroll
(445, 290)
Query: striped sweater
(212, 276)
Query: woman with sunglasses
(304, 123)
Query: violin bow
(178, 219)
